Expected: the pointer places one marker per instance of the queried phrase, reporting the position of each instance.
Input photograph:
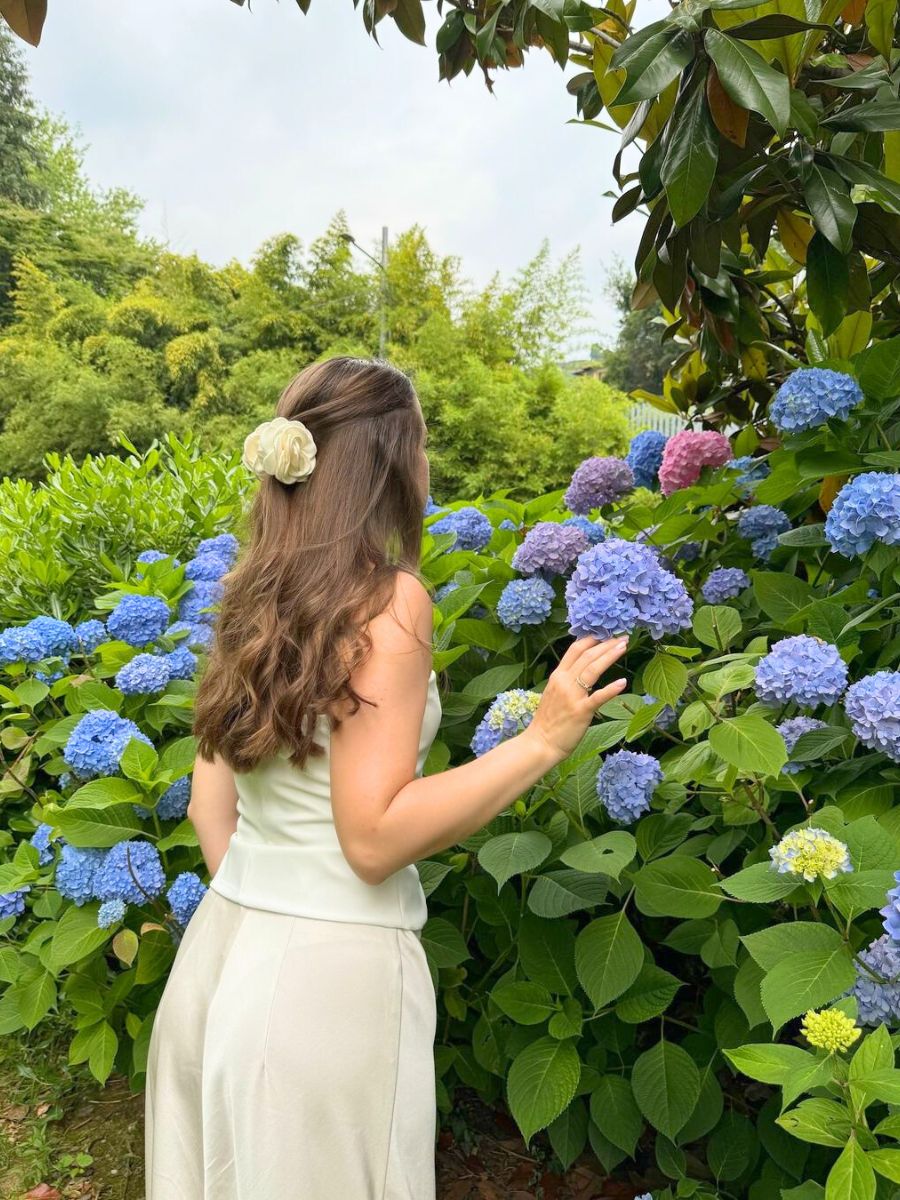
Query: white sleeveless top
(285, 855)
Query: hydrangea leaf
(606, 855)
(852, 1176)
(558, 893)
(542, 1082)
(75, 936)
(768, 1062)
(822, 1122)
(780, 596)
(806, 980)
(732, 1148)
(760, 884)
(677, 887)
(526, 1003)
(666, 1085)
(749, 743)
(91, 827)
(886, 1162)
(649, 996)
(717, 625)
(608, 957)
(768, 947)
(666, 678)
(615, 1113)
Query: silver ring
(587, 686)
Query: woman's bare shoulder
(406, 618)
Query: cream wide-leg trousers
(292, 1059)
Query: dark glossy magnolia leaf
(689, 166)
(661, 59)
(827, 282)
(874, 116)
(730, 119)
(749, 80)
(830, 206)
(775, 25)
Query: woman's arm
(385, 817)
(213, 809)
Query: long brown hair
(320, 561)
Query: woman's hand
(566, 709)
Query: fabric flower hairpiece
(281, 447)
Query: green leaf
(608, 958)
(138, 760)
(732, 678)
(558, 893)
(886, 1162)
(527, 1003)
(759, 884)
(732, 1147)
(650, 994)
(827, 285)
(749, 743)
(443, 943)
(822, 1122)
(830, 206)
(879, 370)
(665, 678)
(98, 828)
(749, 80)
(542, 1082)
(769, 1062)
(677, 887)
(771, 946)
(102, 1055)
(689, 166)
(489, 684)
(851, 1177)
(615, 1113)
(510, 854)
(717, 625)
(660, 61)
(780, 597)
(102, 793)
(35, 995)
(605, 855)
(547, 953)
(808, 980)
(881, 17)
(75, 936)
(666, 1086)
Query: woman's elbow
(366, 862)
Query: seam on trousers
(287, 945)
(387, 1164)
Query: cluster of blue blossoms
(618, 587)
(525, 602)
(645, 457)
(723, 584)
(865, 511)
(751, 471)
(550, 548)
(761, 525)
(872, 705)
(509, 714)
(792, 730)
(812, 396)
(879, 1003)
(96, 744)
(472, 528)
(626, 782)
(594, 531)
(802, 669)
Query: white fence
(645, 416)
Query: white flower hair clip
(281, 447)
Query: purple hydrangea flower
(509, 714)
(194, 604)
(724, 584)
(812, 396)
(645, 455)
(525, 602)
(865, 511)
(761, 525)
(879, 1003)
(110, 913)
(42, 839)
(143, 674)
(803, 669)
(96, 743)
(184, 895)
(225, 545)
(549, 549)
(792, 730)
(207, 567)
(595, 531)
(626, 783)
(620, 586)
(472, 528)
(130, 871)
(90, 634)
(75, 873)
(138, 620)
(872, 705)
(12, 904)
(598, 481)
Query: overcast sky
(234, 125)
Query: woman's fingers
(593, 662)
(605, 694)
(576, 649)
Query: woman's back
(285, 855)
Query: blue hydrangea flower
(181, 662)
(96, 743)
(626, 783)
(872, 705)
(130, 871)
(43, 637)
(723, 584)
(172, 804)
(199, 635)
(525, 602)
(792, 730)
(550, 548)
(645, 457)
(207, 567)
(49, 677)
(761, 525)
(151, 556)
(110, 913)
(90, 634)
(431, 508)
(865, 511)
(594, 531)
(620, 586)
(891, 911)
(751, 471)
(225, 545)
(12, 904)
(506, 523)
(598, 481)
(138, 620)
(143, 674)
(803, 669)
(64, 780)
(472, 528)
(509, 714)
(879, 1003)
(42, 840)
(812, 396)
(688, 552)
(193, 605)
(184, 895)
(75, 873)
(666, 717)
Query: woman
(291, 1055)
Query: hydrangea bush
(685, 931)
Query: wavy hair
(320, 560)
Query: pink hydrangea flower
(687, 453)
